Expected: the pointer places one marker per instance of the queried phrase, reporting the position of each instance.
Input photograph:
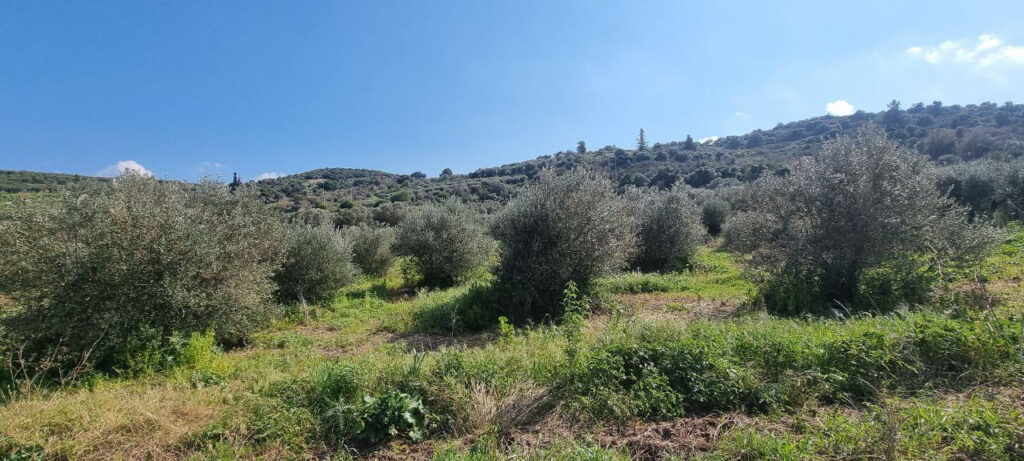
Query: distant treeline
(949, 135)
(29, 181)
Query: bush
(109, 271)
(862, 205)
(446, 241)
(714, 214)
(318, 263)
(315, 217)
(987, 188)
(372, 247)
(758, 365)
(670, 232)
(564, 228)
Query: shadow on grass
(382, 291)
(473, 310)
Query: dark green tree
(892, 117)
(235, 183)
(641, 141)
(689, 144)
(581, 148)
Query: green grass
(1007, 261)
(339, 380)
(937, 428)
(716, 274)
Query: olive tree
(560, 229)
(861, 221)
(670, 231)
(446, 242)
(105, 273)
(372, 247)
(987, 188)
(318, 263)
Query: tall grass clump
(107, 274)
(670, 231)
(372, 247)
(570, 228)
(318, 264)
(446, 242)
(861, 226)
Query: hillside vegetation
(947, 134)
(862, 302)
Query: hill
(30, 181)
(948, 134)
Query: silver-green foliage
(988, 188)
(108, 271)
(670, 231)
(318, 263)
(372, 247)
(446, 241)
(570, 228)
(864, 211)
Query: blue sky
(192, 88)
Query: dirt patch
(641, 440)
(431, 342)
(660, 306)
(420, 342)
(645, 440)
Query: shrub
(862, 204)
(986, 187)
(315, 217)
(111, 269)
(670, 232)
(372, 247)
(758, 364)
(563, 228)
(318, 263)
(714, 214)
(446, 241)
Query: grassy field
(666, 366)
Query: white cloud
(210, 168)
(839, 108)
(740, 114)
(711, 139)
(269, 175)
(985, 51)
(124, 166)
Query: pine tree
(641, 141)
(689, 144)
(235, 183)
(892, 117)
(581, 148)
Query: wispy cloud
(210, 168)
(986, 51)
(839, 108)
(740, 114)
(269, 175)
(124, 166)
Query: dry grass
(113, 422)
(486, 410)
